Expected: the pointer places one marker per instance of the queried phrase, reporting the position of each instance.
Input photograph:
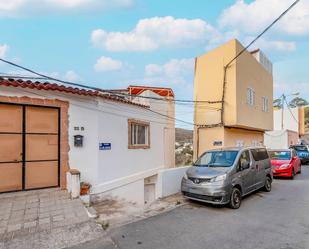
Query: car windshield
(280, 155)
(300, 148)
(216, 159)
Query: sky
(114, 43)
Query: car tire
(235, 199)
(267, 185)
(293, 174)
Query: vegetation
(184, 147)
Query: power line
(291, 111)
(245, 48)
(111, 113)
(46, 77)
(264, 31)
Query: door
(41, 155)
(10, 147)
(296, 161)
(29, 147)
(247, 173)
(261, 163)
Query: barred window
(250, 96)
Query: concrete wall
(239, 137)
(289, 122)
(245, 72)
(230, 137)
(169, 181)
(204, 139)
(250, 73)
(280, 139)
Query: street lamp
(283, 100)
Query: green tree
(296, 102)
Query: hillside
(183, 135)
(183, 147)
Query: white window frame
(250, 96)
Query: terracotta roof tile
(47, 86)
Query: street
(279, 219)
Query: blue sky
(114, 43)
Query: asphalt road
(275, 220)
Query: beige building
(247, 95)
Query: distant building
(248, 97)
(287, 129)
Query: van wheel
(235, 200)
(267, 186)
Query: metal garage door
(29, 147)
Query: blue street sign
(105, 146)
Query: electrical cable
(291, 112)
(46, 77)
(111, 113)
(245, 48)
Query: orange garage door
(29, 147)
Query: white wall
(289, 122)
(132, 192)
(276, 139)
(169, 181)
(85, 158)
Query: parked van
(224, 176)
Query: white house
(119, 143)
(287, 128)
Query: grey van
(224, 176)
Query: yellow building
(247, 98)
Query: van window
(244, 159)
(259, 154)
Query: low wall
(169, 181)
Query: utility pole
(283, 98)
(283, 101)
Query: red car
(285, 163)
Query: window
(139, 134)
(280, 155)
(244, 160)
(259, 154)
(250, 96)
(216, 159)
(264, 104)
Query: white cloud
(107, 64)
(272, 45)
(3, 50)
(256, 15)
(175, 71)
(155, 32)
(71, 76)
(16, 8)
